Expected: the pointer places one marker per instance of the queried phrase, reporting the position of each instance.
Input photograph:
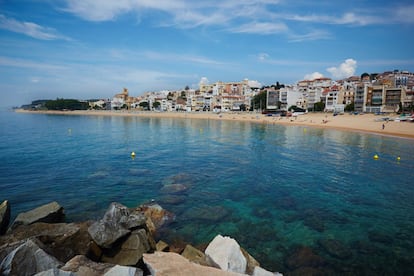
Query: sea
(299, 199)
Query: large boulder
(62, 240)
(225, 253)
(50, 213)
(131, 250)
(194, 255)
(168, 263)
(27, 259)
(115, 224)
(82, 266)
(55, 272)
(120, 270)
(4, 216)
(156, 216)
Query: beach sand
(361, 123)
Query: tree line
(66, 104)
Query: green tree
(144, 105)
(349, 107)
(156, 105)
(319, 106)
(260, 100)
(66, 104)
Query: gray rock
(82, 266)
(4, 216)
(27, 259)
(62, 240)
(119, 270)
(225, 253)
(106, 233)
(55, 272)
(112, 227)
(131, 250)
(50, 213)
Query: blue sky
(94, 48)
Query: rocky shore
(40, 242)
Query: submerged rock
(173, 189)
(50, 213)
(4, 216)
(335, 248)
(172, 199)
(210, 213)
(304, 257)
(225, 253)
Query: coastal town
(388, 92)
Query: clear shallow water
(275, 189)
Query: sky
(86, 49)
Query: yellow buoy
(376, 156)
(133, 154)
(398, 158)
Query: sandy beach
(350, 122)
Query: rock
(335, 248)
(131, 250)
(173, 189)
(55, 272)
(62, 240)
(50, 213)
(112, 227)
(304, 257)
(251, 262)
(157, 216)
(225, 253)
(209, 213)
(172, 199)
(27, 259)
(4, 216)
(194, 255)
(82, 266)
(258, 271)
(119, 270)
(161, 246)
(167, 263)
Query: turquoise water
(275, 189)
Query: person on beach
(383, 126)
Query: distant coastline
(359, 123)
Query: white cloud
(30, 29)
(345, 70)
(312, 35)
(203, 80)
(263, 57)
(264, 28)
(254, 83)
(312, 76)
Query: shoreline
(366, 123)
